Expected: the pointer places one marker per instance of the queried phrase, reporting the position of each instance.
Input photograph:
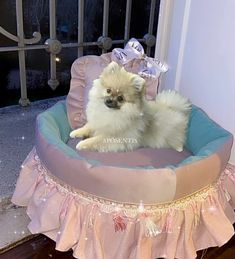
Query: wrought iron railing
(54, 46)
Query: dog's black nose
(111, 103)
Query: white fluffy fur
(139, 123)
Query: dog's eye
(120, 98)
(108, 90)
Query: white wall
(201, 56)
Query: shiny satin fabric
(148, 68)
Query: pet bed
(141, 204)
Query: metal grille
(54, 46)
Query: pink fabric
(86, 225)
(142, 157)
(104, 180)
(198, 174)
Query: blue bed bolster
(57, 120)
(54, 126)
(204, 136)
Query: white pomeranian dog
(119, 118)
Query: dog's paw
(80, 133)
(89, 144)
(85, 145)
(179, 149)
(81, 146)
(73, 134)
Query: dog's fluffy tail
(173, 100)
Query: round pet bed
(141, 204)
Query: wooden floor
(41, 247)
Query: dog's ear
(112, 67)
(138, 82)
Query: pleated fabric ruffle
(97, 228)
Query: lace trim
(229, 172)
(129, 209)
(149, 216)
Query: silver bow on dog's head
(150, 67)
